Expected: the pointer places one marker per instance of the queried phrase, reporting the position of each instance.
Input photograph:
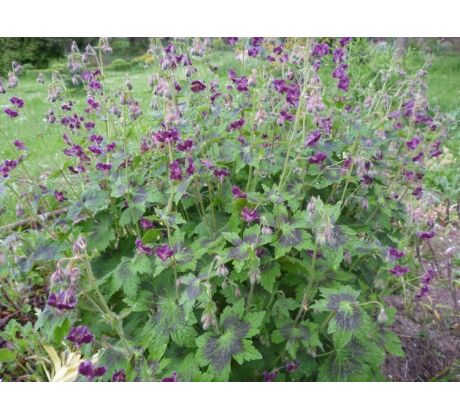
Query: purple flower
(425, 284)
(399, 270)
(95, 149)
(101, 166)
(418, 193)
(320, 50)
(63, 300)
(340, 71)
(250, 215)
(143, 249)
(425, 235)
(413, 143)
(221, 173)
(238, 193)
(119, 376)
(175, 171)
(11, 112)
(253, 51)
(111, 147)
(317, 158)
(87, 369)
(292, 366)
(163, 252)
(17, 101)
(325, 124)
(80, 335)
(418, 157)
(172, 378)
(269, 376)
(338, 54)
(191, 167)
(312, 138)
(256, 41)
(20, 145)
(395, 254)
(284, 116)
(344, 41)
(344, 83)
(166, 136)
(236, 125)
(278, 49)
(59, 196)
(231, 40)
(197, 86)
(185, 146)
(89, 125)
(146, 224)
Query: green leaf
(100, 232)
(6, 355)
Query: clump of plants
(244, 223)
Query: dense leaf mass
(225, 213)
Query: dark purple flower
(111, 147)
(231, 40)
(253, 51)
(89, 125)
(236, 125)
(17, 101)
(424, 236)
(143, 249)
(175, 171)
(278, 49)
(166, 136)
(95, 149)
(146, 224)
(399, 270)
(425, 283)
(413, 143)
(185, 146)
(59, 196)
(63, 300)
(250, 215)
(312, 138)
(119, 376)
(101, 166)
(340, 71)
(172, 378)
(418, 193)
(317, 158)
(191, 167)
(20, 145)
(87, 369)
(320, 50)
(11, 112)
(292, 366)
(197, 86)
(418, 157)
(395, 254)
(345, 40)
(344, 83)
(338, 54)
(80, 335)
(269, 376)
(367, 180)
(221, 173)
(238, 193)
(256, 41)
(163, 252)
(285, 116)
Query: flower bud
(79, 246)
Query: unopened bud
(383, 317)
(79, 246)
